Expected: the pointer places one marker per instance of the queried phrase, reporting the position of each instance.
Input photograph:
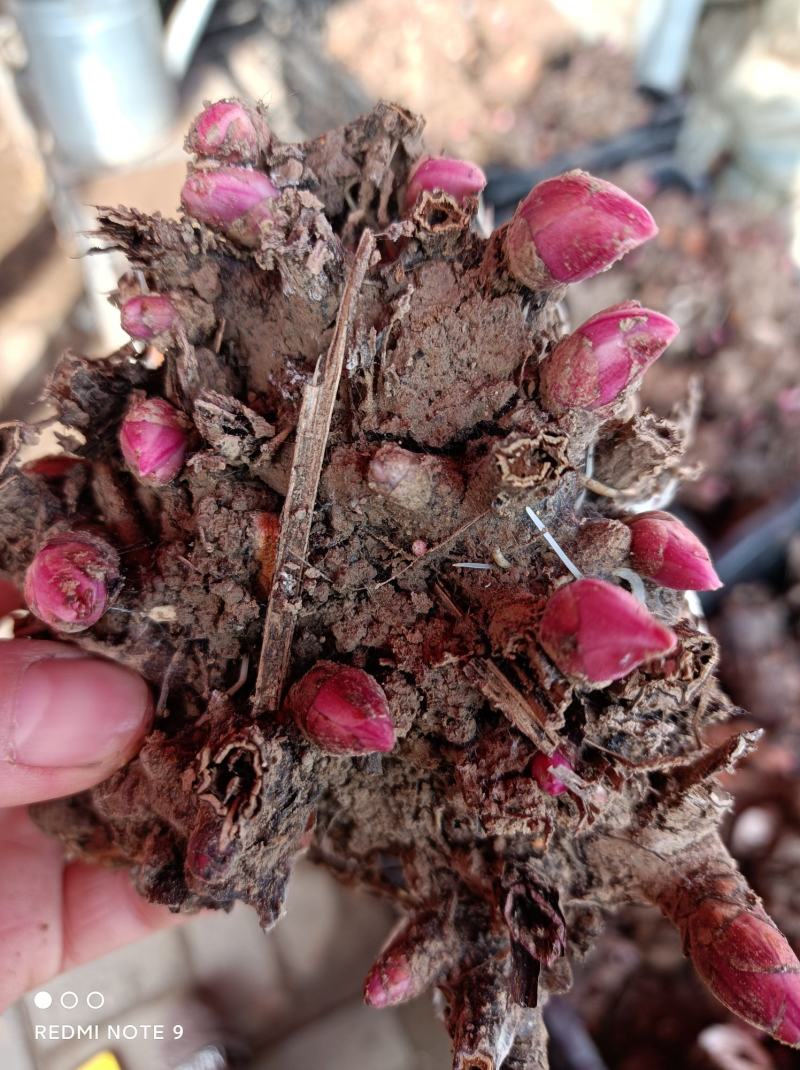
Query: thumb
(66, 720)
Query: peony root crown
(300, 504)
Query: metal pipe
(96, 71)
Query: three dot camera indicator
(74, 1029)
(43, 1001)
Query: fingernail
(77, 712)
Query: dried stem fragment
(313, 424)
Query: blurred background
(694, 108)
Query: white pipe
(182, 34)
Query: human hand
(66, 722)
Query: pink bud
(56, 466)
(571, 227)
(593, 365)
(342, 709)
(229, 131)
(227, 196)
(417, 952)
(459, 178)
(153, 440)
(598, 632)
(748, 964)
(71, 580)
(206, 860)
(392, 465)
(541, 767)
(401, 476)
(413, 480)
(267, 533)
(389, 982)
(667, 551)
(148, 315)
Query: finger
(66, 721)
(30, 914)
(10, 598)
(102, 911)
(52, 918)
